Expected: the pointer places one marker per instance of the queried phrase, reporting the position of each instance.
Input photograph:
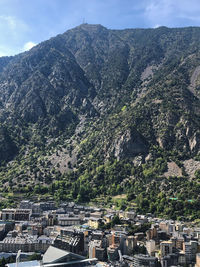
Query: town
(91, 235)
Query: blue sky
(24, 23)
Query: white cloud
(2, 54)
(158, 12)
(13, 23)
(12, 31)
(156, 26)
(9, 21)
(172, 13)
(28, 46)
(5, 51)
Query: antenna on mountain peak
(84, 22)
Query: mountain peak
(92, 28)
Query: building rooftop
(53, 255)
(25, 264)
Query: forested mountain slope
(95, 112)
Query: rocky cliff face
(129, 144)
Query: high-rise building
(166, 248)
(151, 246)
(140, 260)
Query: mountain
(96, 112)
